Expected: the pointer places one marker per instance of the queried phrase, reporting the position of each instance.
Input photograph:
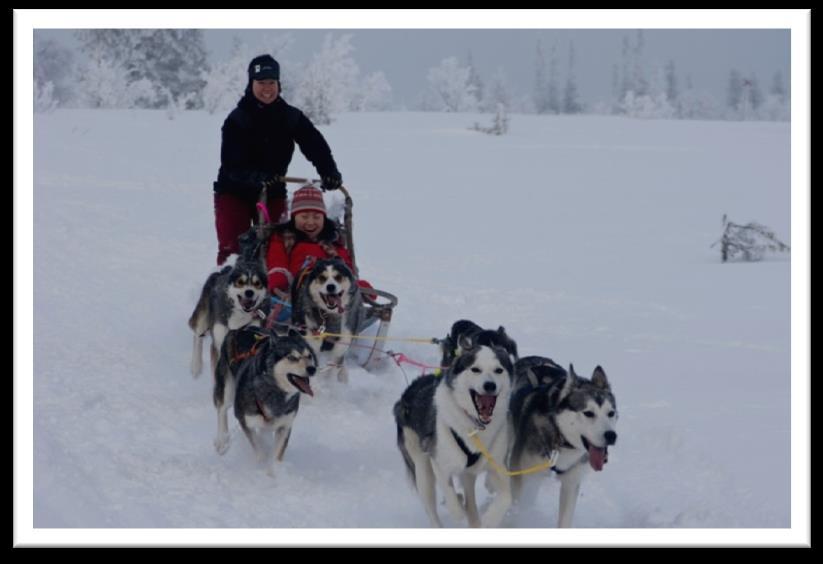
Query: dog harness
(471, 457)
(240, 356)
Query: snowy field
(587, 237)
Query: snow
(587, 237)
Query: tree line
(170, 69)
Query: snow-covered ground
(587, 237)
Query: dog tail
(401, 416)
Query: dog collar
(577, 462)
(471, 457)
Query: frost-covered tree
(327, 85)
(374, 94)
(497, 92)
(654, 104)
(672, 90)
(553, 84)
(227, 79)
(106, 83)
(175, 61)
(734, 93)
(778, 88)
(626, 83)
(171, 60)
(755, 95)
(571, 97)
(748, 242)
(53, 64)
(776, 105)
(500, 124)
(632, 84)
(540, 94)
(474, 77)
(695, 104)
(639, 83)
(44, 99)
(450, 88)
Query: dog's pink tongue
(597, 457)
(303, 385)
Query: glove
(332, 182)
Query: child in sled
(307, 237)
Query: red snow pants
(234, 216)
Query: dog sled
(377, 305)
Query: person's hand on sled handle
(274, 186)
(332, 182)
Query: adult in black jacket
(258, 144)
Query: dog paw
(221, 445)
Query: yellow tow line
(503, 471)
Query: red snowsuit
(284, 267)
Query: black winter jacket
(258, 142)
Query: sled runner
(377, 305)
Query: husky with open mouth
(262, 375)
(439, 421)
(558, 413)
(328, 300)
(230, 299)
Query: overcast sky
(406, 55)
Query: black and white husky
(262, 375)
(329, 300)
(557, 414)
(439, 419)
(229, 300)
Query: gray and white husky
(558, 413)
(329, 300)
(229, 300)
(262, 375)
(437, 419)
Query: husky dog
(229, 300)
(263, 375)
(557, 411)
(438, 419)
(329, 300)
(454, 343)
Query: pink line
(264, 211)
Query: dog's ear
(532, 377)
(510, 345)
(568, 384)
(465, 342)
(599, 378)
